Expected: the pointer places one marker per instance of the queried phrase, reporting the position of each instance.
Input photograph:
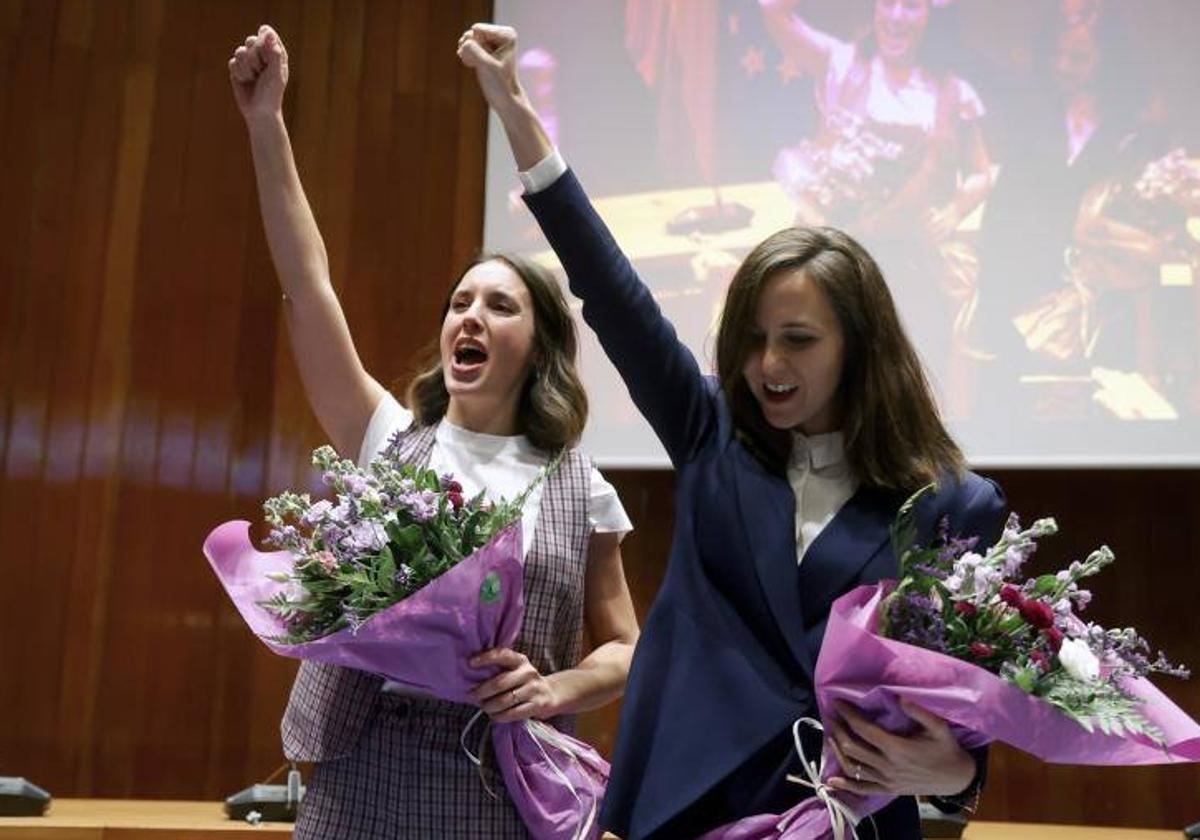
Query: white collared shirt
(822, 481)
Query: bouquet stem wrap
(424, 642)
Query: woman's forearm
(297, 250)
(594, 682)
(527, 137)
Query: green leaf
(1046, 584)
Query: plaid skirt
(409, 778)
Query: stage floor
(132, 819)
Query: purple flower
(931, 571)
(986, 578)
(917, 620)
(365, 537)
(422, 506)
(1015, 557)
(317, 513)
(286, 536)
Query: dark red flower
(1055, 637)
(453, 486)
(1041, 661)
(1012, 595)
(1038, 614)
(980, 650)
(456, 498)
(965, 608)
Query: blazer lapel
(839, 553)
(767, 511)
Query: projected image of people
(898, 156)
(1027, 174)
(1086, 286)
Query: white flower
(1044, 527)
(1079, 661)
(371, 496)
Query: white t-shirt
(500, 466)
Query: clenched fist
(258, 72)
(491, 51)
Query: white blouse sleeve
(388, 418)
(605, 512)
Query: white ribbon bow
(842, 818)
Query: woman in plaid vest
(502, 397)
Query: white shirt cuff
(543, 173)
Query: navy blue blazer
(725, 661)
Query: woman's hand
(491, 51)
(258, 72)
(518, 692)
(928, 762)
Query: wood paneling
(147, 391)
(146, 388)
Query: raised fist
(258, 72)
(491, 51)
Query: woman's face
(488, 335)
(796, 354)
(899, 26)
(1077, 59)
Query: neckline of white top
(817, 451)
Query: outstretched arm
(809, 48)
(341, 393)
(661, 373)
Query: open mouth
(468, 355)
(777, 393)
(468, 359)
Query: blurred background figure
(898, 157)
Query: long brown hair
(553, 407)
(894, 435)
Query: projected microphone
(710, 218)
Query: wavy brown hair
(894, 434)
(553, 407)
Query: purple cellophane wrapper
(424, 642)
(872, 673)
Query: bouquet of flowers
(1172, 178)
(402, 576)
(394, 529)
(999, 657)
(850, 168)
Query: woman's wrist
(266, 121)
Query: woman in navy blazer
(809, 342)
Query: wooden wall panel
(147, 391)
